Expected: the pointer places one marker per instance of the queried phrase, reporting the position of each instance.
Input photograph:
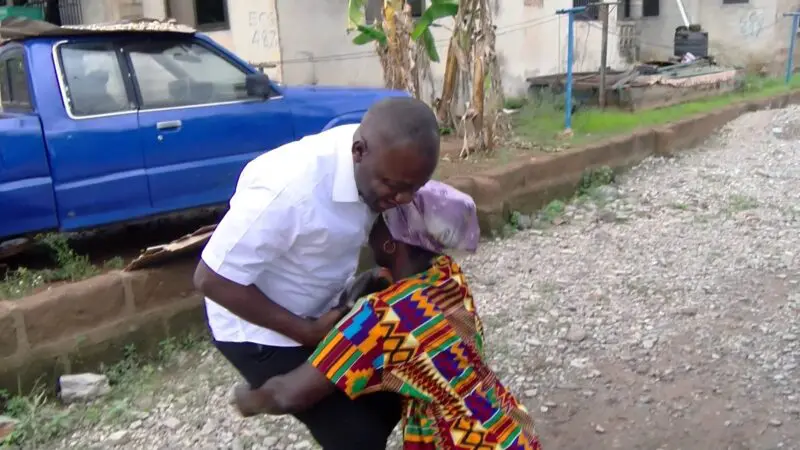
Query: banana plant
(438, 9)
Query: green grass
(43, 420)
(553, 210)
(738, 203)
(541, 123)
(69, 266)
(515, 102)
(588, 189)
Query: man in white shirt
(274, 267)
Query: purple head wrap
(439, 218)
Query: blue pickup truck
(103, 125)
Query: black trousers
(336, 422)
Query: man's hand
(249, 303)
(320, 327)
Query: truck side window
(14, 82)
(93, 79)
(183, 73)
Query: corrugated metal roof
(20, 28)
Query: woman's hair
(378, 237)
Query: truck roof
(22, 28)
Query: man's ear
(358, 150)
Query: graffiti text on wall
(751, 23)
(263, 33)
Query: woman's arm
(285, 394)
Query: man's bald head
(403, 122)
(395, 151)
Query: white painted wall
(743, 34)
(531, 41)
(314, 48)
(254, 35)
(99, 11)
(154, 9)
(253, 32)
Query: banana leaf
(355, 14)
(368, 34)
(436, 11)
(430, 45)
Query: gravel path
(663, 314)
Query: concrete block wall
(75, 327)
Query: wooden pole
(603, 54)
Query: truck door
(95, 154)
(199, 127)
(26, 188)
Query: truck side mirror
(258, 85)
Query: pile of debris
(691, 71)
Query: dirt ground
(451, 164)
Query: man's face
(387, 177)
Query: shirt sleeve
(260, 226)
(351, 356)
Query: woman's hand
(246, 400)
(369, 282)
(374, 280)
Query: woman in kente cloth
(420, 337)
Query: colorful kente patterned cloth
(423, 339)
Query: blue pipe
(570, 61)
(792, 40)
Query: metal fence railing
(69, 11)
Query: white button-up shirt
(295, 228)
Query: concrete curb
(77, 327)
(529, 186)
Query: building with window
(304, 41)
(746, 33)
(531, 41)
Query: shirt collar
(344, 178)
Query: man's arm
(285, 394)
(261, 226)
(350, 359)
(249, 303)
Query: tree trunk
(479, 63)
(395, 56)
(455, 65)
(485, 91)
(448, 85)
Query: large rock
(83, 387)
